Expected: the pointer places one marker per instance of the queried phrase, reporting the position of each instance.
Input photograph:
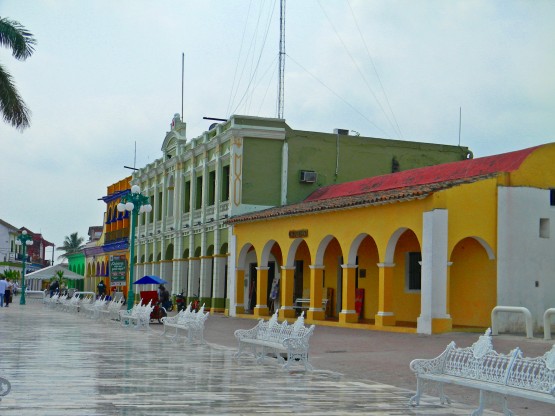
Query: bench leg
(480, 410)
(415, 400)
(302, 356)
(443, 398)
(506, 410)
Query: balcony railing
(117, 235)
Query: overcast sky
(106, 74)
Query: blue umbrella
(150, 280)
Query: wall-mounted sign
(298, 233)
(118, 270)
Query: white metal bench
(112, 309)
(35, 295)
(93, 310)
(188, 321)
(138, 316)
(481, 367)
(52, 301)
(303, 304)
(70, 304)
(271, 337)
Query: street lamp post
(135, 203)
(23, 240)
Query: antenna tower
(281, 58)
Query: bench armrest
(248, 333)
(432, 365)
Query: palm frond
(14, 35)
(13, 108)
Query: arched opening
(472, 284)
(169, 252)
(364, 253)
(407, 275)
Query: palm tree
(13, 35)
(72, 244)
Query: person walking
(101, 288)
(3, 286)
(164, 297)
(8, 293)
(54, 287)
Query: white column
(433, 300)
(232, 275)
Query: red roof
(464, 169)
(395, 187)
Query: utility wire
(254, 72)
(272, 65)
(337, 95)
(238, 58)
(357, 67)
(375, 70)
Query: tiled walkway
(63, 364)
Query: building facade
(107, 252)
(423, 250)
(11, 254)
(243, 165)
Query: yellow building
(107, 257)
(423, 250)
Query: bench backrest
(481, 362)
(537, 374)
(478, 362)
(273, 331)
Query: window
(151, 213)
(187, 196)
(159, 206)
(212, 188)
(198, 196)
(414, 271)
(544, 227)
(552, 197)
(225, 183)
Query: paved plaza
(60, 363)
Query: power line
(358, 69)
(375, 70)
(337, 95)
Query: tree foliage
(14, 36)
(72, 244)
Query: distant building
(243, 165)
(424, 250)
(11, 254)
(109, 259)
(8, 235)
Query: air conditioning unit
(308, 176)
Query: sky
(106, 78)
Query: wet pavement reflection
(60, 363)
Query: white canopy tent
(35, 280)
(49, 272)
